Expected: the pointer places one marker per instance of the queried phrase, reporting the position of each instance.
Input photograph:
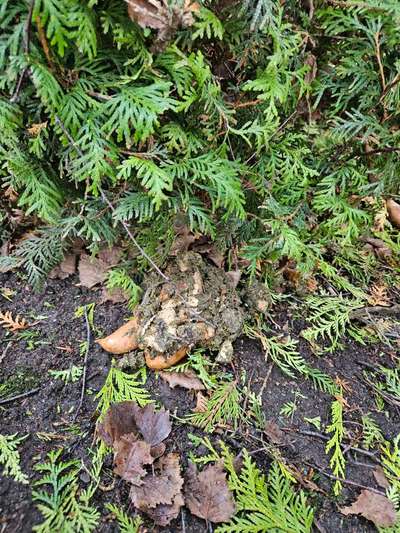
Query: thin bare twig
(379, 59)
(19, 396)
(85, 363)
(345, 481)
(326, 438)
(5, 352)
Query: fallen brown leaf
(380, 477)
(115, 296)
(127, 417)
(374, 507)
(93, 270)
(155, 426)
(207, 494)
(66, 268)
(187, 380)
(379, 247)
(274, 433)
(130, 457)
(393, 209)
(119, 420)
(159, 15)
(160, 494)
(310, 61)
(378, 295)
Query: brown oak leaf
(207, 494)
(130, 457)
(372, 506)
(155, 426)
(187, 380)
(159, 488)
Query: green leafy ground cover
(270, 128)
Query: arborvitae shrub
(269, 126)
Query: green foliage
(372, 433)
(285, 148)
(337, 460)
(390, 456)
(62, 507)
(330, 317)
(120, 279)
(10, 459)
(285, 355)
(126, 523)
(223, 407)
(121, 386)
(70, 375)
(265, 504)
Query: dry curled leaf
(374, 507)
(393, 209)
(119, 420)
(187, 380)
(160, 15)
(130, 457)
(155, 426)
(12, 324)
(160, 494)
(380, 477)
(274, 433)
(93, 270)
(207, 494)
(379, 296)
(66, 268)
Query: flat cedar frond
(120, 387)
(221, 408)
(337, 460)
(372, 433)
(265, 504)
(62, 506)
(390, 457)
(126, 523)
(10, 458)
(12, 324)
(329, 318)
(284, 354)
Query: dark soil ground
(24, 365)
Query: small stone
(225, 354)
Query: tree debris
(187, 380)
(207, 493)
(12, 324)
(374, 507)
